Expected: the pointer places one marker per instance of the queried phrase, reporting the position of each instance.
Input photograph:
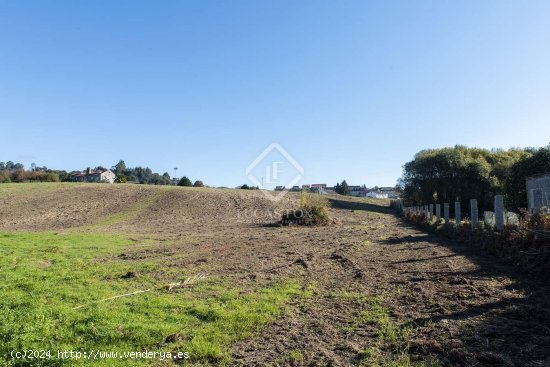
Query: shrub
(34, 176)
(523, 241)
(51, 177)
(198, 183)
(5, 177)
(312, 210)
(246, 187)
(185, 181)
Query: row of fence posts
(428, 211)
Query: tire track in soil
(464, 306)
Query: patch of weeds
(366, 243)
(353, 297)
(397, 291)
(294, 356)
(378, 315)
(391, 347)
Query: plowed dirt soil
(383, 292)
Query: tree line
(460, 173)
(16, 172)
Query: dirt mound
(132, 208)
(62, 205)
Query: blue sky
(351, 89)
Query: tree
(345, 188)
(185, 181)
(198, 183)
(516, 190)
(342, 188)
(458, 173)
(119, 168)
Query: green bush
(246, 187)
(312, 211)
(4, 177)
(185, 181)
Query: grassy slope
(44, 275)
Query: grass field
(44, 276)
(366, 290)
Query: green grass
(390, 348)
(378, 316)
(43, 276)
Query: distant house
(319, 188)
(390, 191)
(90, 175)
(376, 195)
(359, 191)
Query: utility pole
(176, 175)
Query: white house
(90, 175)
(390, 191)
(377, 195)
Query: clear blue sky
(351, 89)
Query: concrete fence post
(458, 216)
(474, 213)
(499, 212)
(438, 212)
(446, 212)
